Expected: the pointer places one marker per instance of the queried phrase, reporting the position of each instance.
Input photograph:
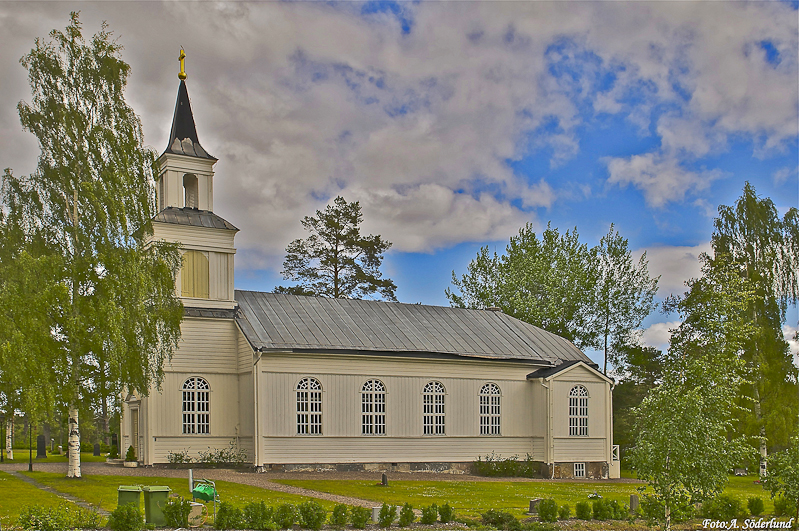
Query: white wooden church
(315, 383)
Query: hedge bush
(312, 515)
(548, 510)
(496, 466)
(259, 516)
(723, 507)
(339, 516)
(755, 505)
(501, 520)
(285, 516)
(176, 512)
(126, 517)
(446, 513)
(583, 510)
(564, 512)
(406, 516)
(228, 517)
(387, 515)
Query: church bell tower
(185, 203)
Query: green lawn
(16, 494)
(470, 498)
(102, 490)
(22, 456)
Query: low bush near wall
(211, 457)
(494, 465)
(359, 516)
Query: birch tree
(93, 193)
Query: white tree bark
(73, 471)
(9, 433)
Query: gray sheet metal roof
(293, 322)
(193, 217)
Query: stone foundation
(593, 470)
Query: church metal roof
(193, 217)
(291, 322)
(183, 136)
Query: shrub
(232, 455)
(312, 515)
(583, 510)
(228, 517)
(82, 518)
(131, 454)
(564, 512)
(114, 453)
(406, 516)
(359, 516)
(285, 516)
(501, 520)
(446, 513)
(176, 512)
(722, 507)
(338, 518)
(601, 510)
(87, 447)
(257, 515)
(388, 513)
(179, 457)
(548, 510)
(429, 515)
(653, 510)
(126, 518)
(755, 505)
(104, 448)
(37, 517)
(495, 466)
(783, 507)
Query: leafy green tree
(751, 237)
(686, 442)
(783, 475)
(549, 282)
(92, 196)
(624, 295)
(336, 260)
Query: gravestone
(96, 449)
(114, 440)
(534, 503)
(384, 481)
(634, 503)
(41, 447)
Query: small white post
(191, 480)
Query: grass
(22, 456)
(102, 490)
(16, 494)
(470, 498)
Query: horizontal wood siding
(163, 446)
(537, 451)
(341, 403)
(166, 407)
(203, 238)
(277, 450)
(206, 345)
(580, 449)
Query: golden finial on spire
(182, 74)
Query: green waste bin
(154, 501)
(127, 494)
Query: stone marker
(633, 503)
(41, 447)
(384, 480)
(96, 449)
(534, 503)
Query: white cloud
(789, 333)
(661, 178)
(675, 265)
(782, 175)
(658, 335)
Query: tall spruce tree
(336, 260)
(92, 195)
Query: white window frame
(578, 411)
(196, 406)
(433, 412)
(490, 409)
(373, 408)
(579, 470)
(309, 406)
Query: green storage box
(127, 494)
(204, 491)
(154, 500)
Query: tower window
(191, 192)
(194, 275)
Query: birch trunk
(763, 442)
(9, 435)
(74, 444)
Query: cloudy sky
(454, 123)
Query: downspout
(256, 437)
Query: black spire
(183, 137)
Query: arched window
(309, 407)
(196, 405)
(373, 408)
(433, 409)
(194, 275)
(190, 191)
(489, 409)
(578, 411)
